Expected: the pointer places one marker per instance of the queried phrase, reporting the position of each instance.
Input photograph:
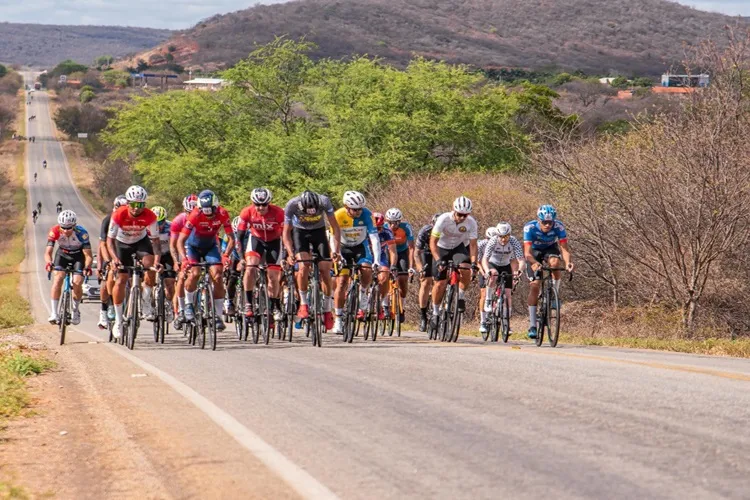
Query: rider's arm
(336, 232)
(375, 245)
(419, 259)
(287, 237)
(87, 258)
(565, 251)
(393, 253)
(434, 245)
(48, 254)
(181, 245)
(473, 250)
(411, 254)
(485, 264)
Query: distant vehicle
(38, 86)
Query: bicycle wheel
(505, 318)
(133, 310)
(265, 312)
(350, 312)
(317, 318)
(398, 308)
(63, 314)
(445, 315)
(375, 321)
(553, 318)
(200, 318)
(542, 309)
(290, 308)
(211, 316)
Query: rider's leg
(217, 272)
(303, 276)
(57, 280)
(326, 284)
(365, 277)
(252, 259)
(274, 287)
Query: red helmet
(379, 219)
(190, 202)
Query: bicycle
(132, 313)
(372, 322)
(240, 322)
(397, 306)
(449, 317)
(65, 306)
(351, 305)
(315, 320)
(205, 316)
(262, 317)
(498, 319)
(161, 325)
(289, 306)
(548, 317)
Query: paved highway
(406, 418)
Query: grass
(739, 348)
(10, 492)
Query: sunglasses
(355, 210)
(260, 205)
(66, 228)
(461, 216)
(137, 204)
(547, 222)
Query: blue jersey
(386, 236)
(532, 233)
(225, 242)
(403, 235)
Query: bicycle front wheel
(64, 314)
(133, 311)
(553, 318)
(211, 316)
(265, 312)
(542, 315)
(505, 319)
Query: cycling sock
(76, 304)
(386, 301)
(483, 316)
(423, 311)
(435, 309)
(339, 311)
(189, 297)
(364, 299)
(148, 292)
(181, 303)
(532, 316)
(105, 306)
(118, 313)
(460, 293)
(55, 305)
(219, 306)
(303, 297)
(326, 303)
(556, 284)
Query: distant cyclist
(423, 260)
(59, 207)
(44, 164)
(34, 215)
(188, 204)
(34, 176)
(107, 311)
(39, 207)
(404, 236)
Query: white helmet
(236, 223)
(354, 200)
(261, 196)
(136, 193)
(462, 205)
(394, 215)
(120, 201)
(491, 232)
(67, 218)
(503, 229)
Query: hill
(637, 36)
(43, 45)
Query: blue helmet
(546, 212)
(208, 202)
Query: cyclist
(73, 250)
(39, 207)
(265, 222)
(543, 237)
(423, 258)
(454, 237)
(44, 163)
(359, 242)
(133, 231)
(387, 255)
(232, 268)
(59, 207)
(481, 245)
(304, 237)
(404, 236)
(198, 241)
(503, 254)
(178, 303)
(34, 176)
(165, 227)
(107, 310)
(34, 215)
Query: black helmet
(435, 218)
(309, 200)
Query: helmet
(491, 232)
(435, 218)
(503, 229)
(136, 193)
(236, 223)
(189, 202)
(546, 212)
(160, 213)
(378, 218)
(462, 205)
(261, 196)
(67, 219)
(394, 215)
(120, 201)
(208, 201)
(309, 200)
(354, 200)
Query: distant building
(204, 84)
(690, 81)
(607, 80)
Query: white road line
(295, 476)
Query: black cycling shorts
(268, 251)
(508, 274)
(539, 256)
(427, 267)
(403, 262)
(313, 241)
(168, 263)
(63, 260)
(125, 252)
(458, 255)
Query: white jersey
(501, 255)
(451, 234)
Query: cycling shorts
(125, 251)
(458, 255)
(168, 263)
(269, 252)
(313, 241)
(539, 256)
(427, 268)
(358, 254)
(403, 262)
(195, 255)
(64, 260)
(508, 274)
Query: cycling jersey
(501, 255)
(203, 230)
(386, 239)
(532, 233)
(268, 227)
(298, 217)
(354, 230)
(403, 235)
(451, 234)
(77, 241)
(104, 230)
(130, 229)
(177, 224)
(225, 242)
(163, 235)
(481, 245)
(423, 239)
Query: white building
(205, 84)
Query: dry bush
(659, 214)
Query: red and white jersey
(204, 230)
(177, 224)
(266, 227)
(128, 229)
(77, 240)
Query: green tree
(103, 62)
(86, 96)
(69, 67)
(620, 83)
(3, 70)
(116, 78)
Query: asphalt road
(407, 418)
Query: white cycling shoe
(117, 329)
(103, 320)
(54, 318)
(338, 326)
(76, 318)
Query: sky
(181, 14)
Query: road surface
(407, 418)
